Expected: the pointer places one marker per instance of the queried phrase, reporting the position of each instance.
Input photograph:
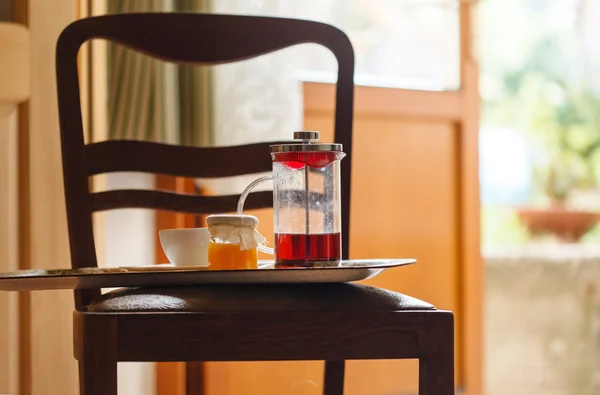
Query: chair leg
(194, 378)
(97, 375)
(436, 369)
(96, 349)
(334, 378)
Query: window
(540, 130)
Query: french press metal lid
(307, 144)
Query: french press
(306, 202)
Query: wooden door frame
(472, 271)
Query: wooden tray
(168, 275)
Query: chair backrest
(182, 38)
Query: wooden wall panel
(404, 180)
(265, 378)
(53, 369)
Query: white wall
(129, 241)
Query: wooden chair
(331, 322)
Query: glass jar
(234, 242)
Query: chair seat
(289, 297)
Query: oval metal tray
(167, 275)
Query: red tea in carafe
(305, 250)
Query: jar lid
(237, 220)
(307, 144)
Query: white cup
(186, 246)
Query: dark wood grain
(194, 378)
(97, 361)
(246, 335)
(333, 382)
(246, 332)
(184, 161)
(207, 38)
(436, 367)
(272, 336)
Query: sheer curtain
(153, 100)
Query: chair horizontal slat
(169, 201)
(184, 161)
(292, 335)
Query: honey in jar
(234, 242)
(227, 256)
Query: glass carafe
(306, 202)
